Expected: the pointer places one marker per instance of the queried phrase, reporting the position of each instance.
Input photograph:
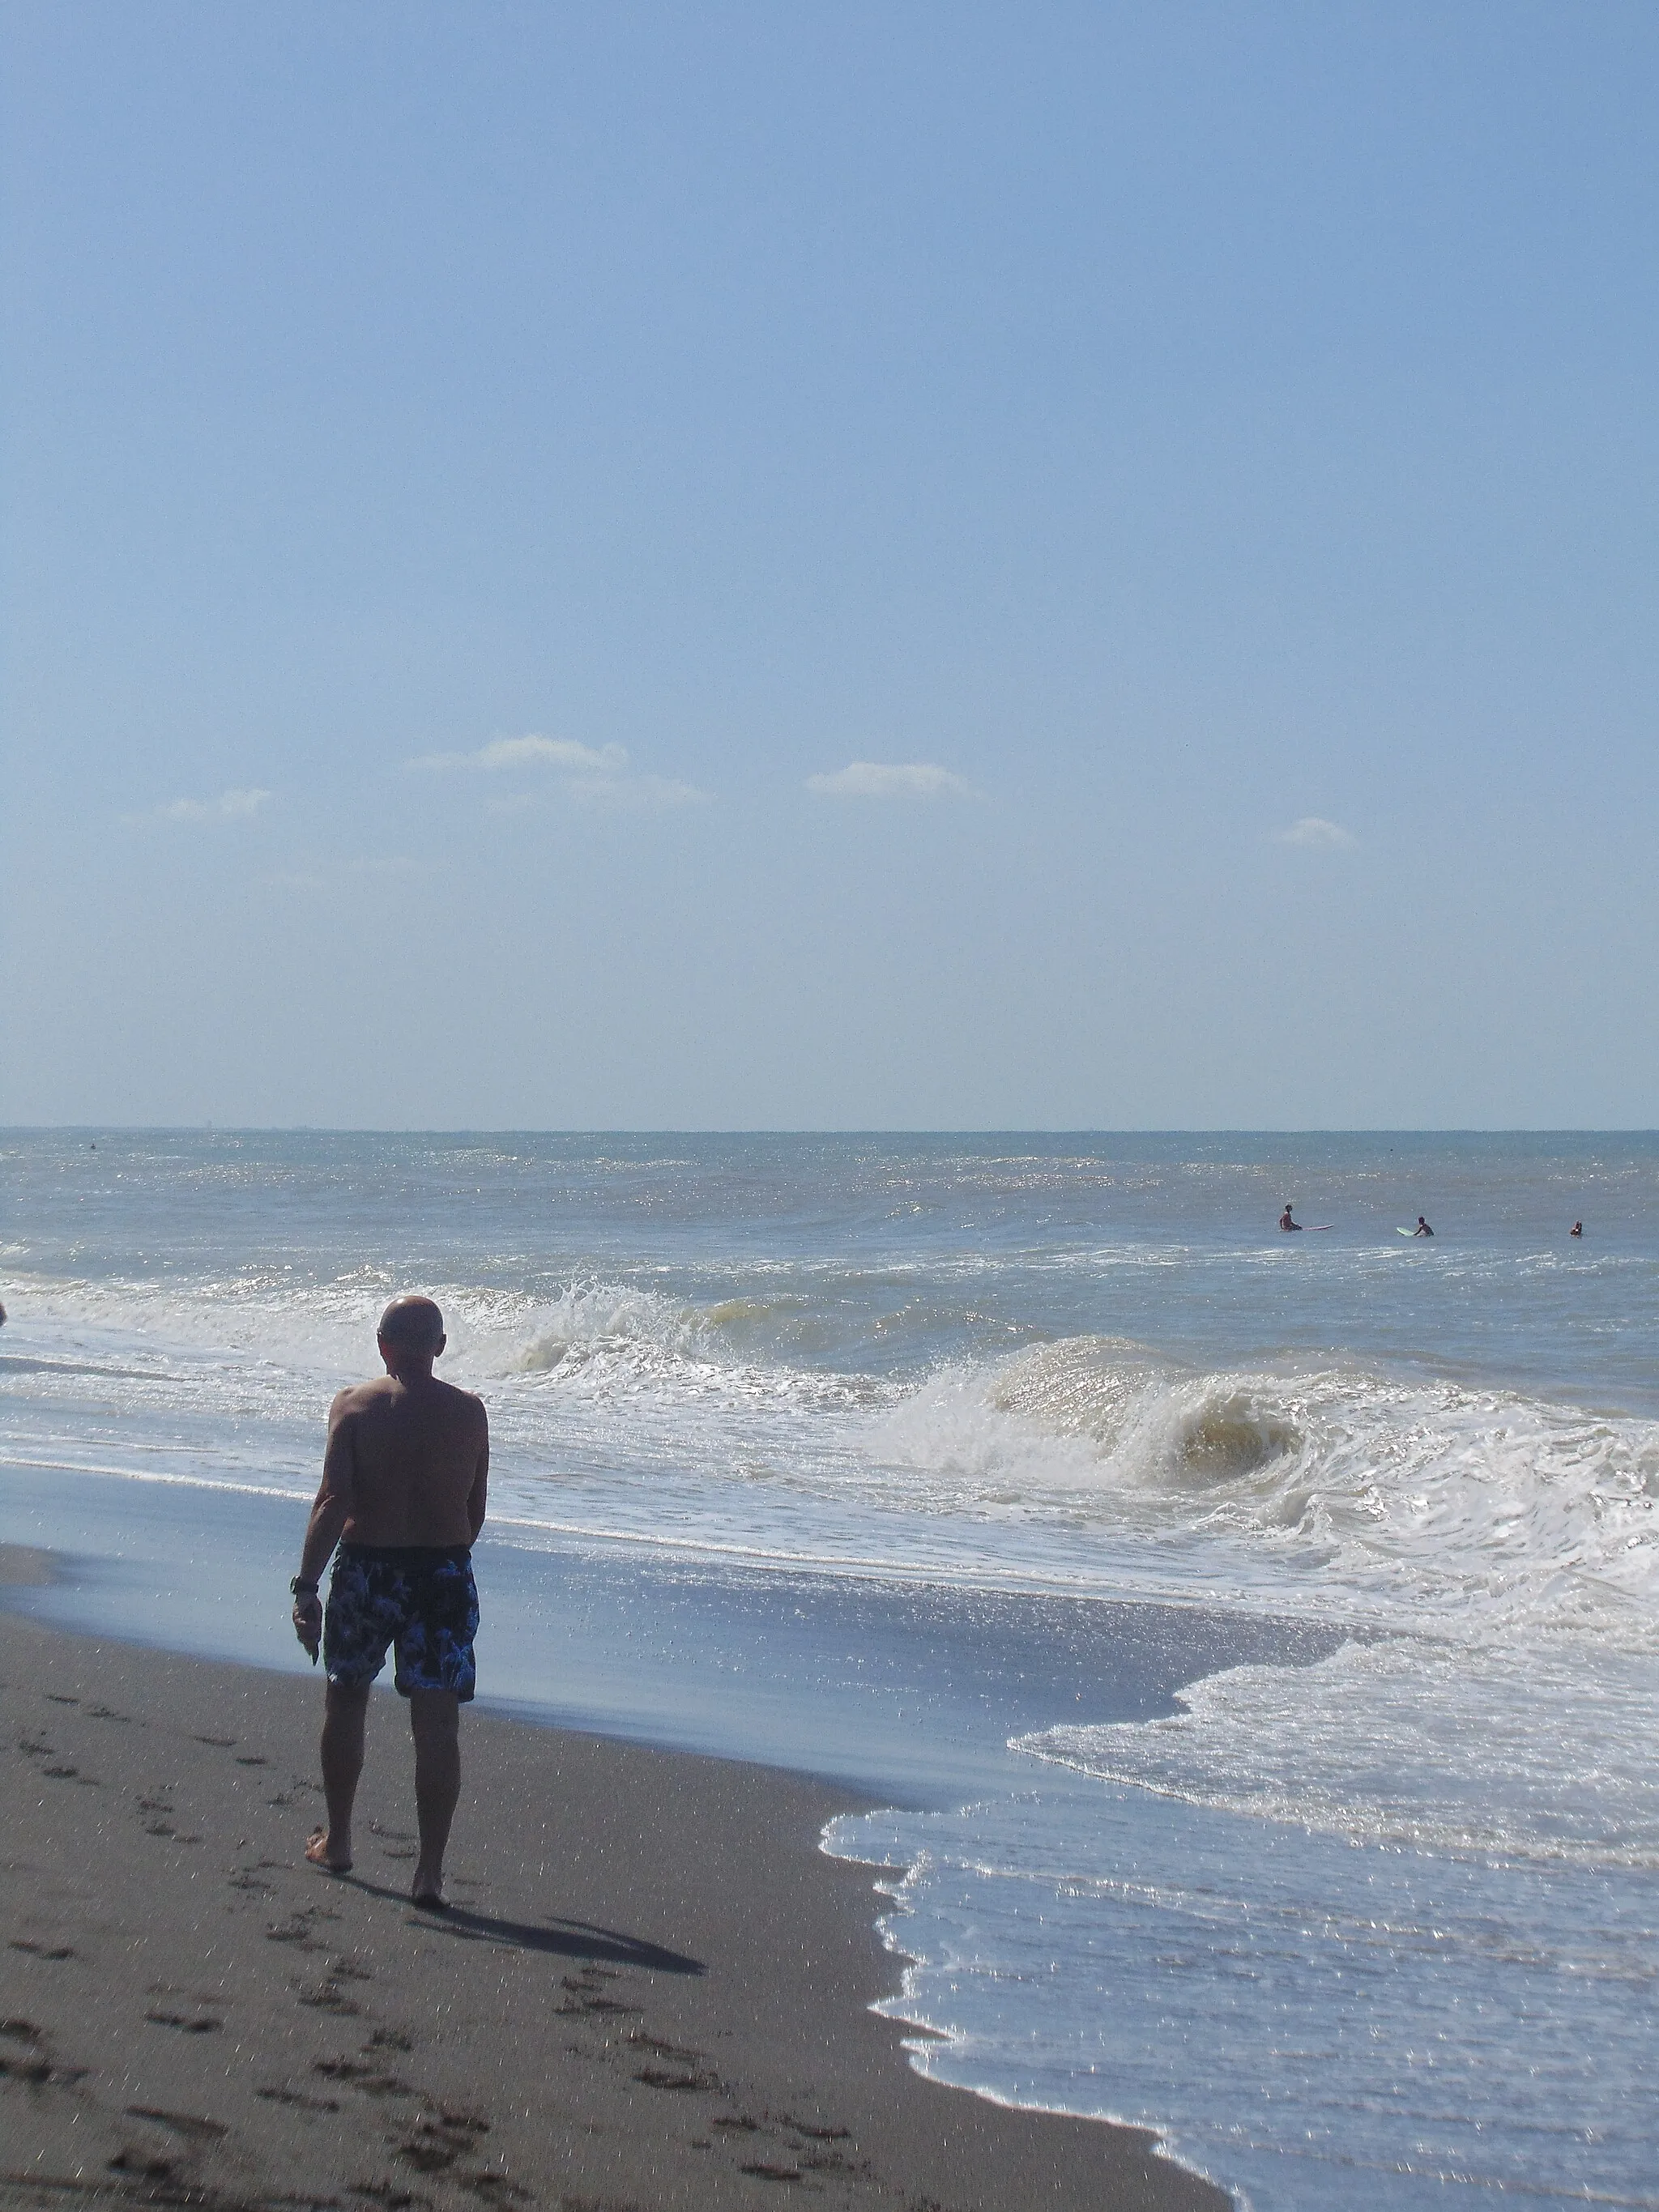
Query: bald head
(414, 1327)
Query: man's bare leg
(345, 1710)
(434, 1719)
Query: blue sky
(876, 566)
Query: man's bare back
(407, 1457)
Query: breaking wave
(1429, 1504)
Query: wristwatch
(299, 1588)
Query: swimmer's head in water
(412, 1325)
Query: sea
(1249, 1641)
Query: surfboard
(1318, 1228)
(1405, 1232)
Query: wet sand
(651, 1990)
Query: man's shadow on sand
(562, 1938)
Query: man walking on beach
(405, 1477)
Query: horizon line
(848, 1129)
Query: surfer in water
(1285, 1222)
(1422, 1228)
(1577, 1229)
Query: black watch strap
(302, 1589)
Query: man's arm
(329, 1514)
(478, 1495)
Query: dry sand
(651, 1990)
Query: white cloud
(564, 753)
(600, 774)
(229, 806)
(890, 780)
(1317, 835)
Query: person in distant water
(403, 1494)
(1285, 1222)
(1422, 1228)
(1577, 1230)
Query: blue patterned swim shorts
(422, 1601)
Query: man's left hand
(308, 1624)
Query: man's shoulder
(360, 1397)
(466, 1403)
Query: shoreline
(686, 1653)
(653, 1990)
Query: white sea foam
(1512, 1751)
(592, 1318)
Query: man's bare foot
(317, 1851)
(428, 1891)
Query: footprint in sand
(279, 2094)
(24, 2056)
(189, 2124)
(186, 2023)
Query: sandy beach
(652, 1989)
